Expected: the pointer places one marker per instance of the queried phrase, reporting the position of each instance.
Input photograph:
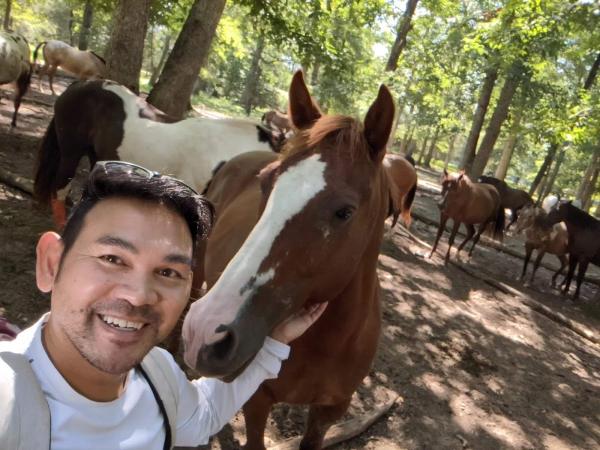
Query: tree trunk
(86, 25)
(424, 147)
(544, 167)
(403, 28)
(6, 24)
(251, 87)
(406, 138)
(592, 187)
(482, 105)
(176, 83)
(592, 74)
(314, 78)
(552, 177)
(429, 156)
(126, 46)
(450, 150)
(161, 63)
(588, 183)
(493, 129)
(509, 146)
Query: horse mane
(98, 56)
(580, 217)
(342, 132)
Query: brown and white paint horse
(15, 65)
(306, 230)
(105, 121)
(83, 64)
(277, 120)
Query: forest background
(507, 88)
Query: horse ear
(378, 122)
(445, 173)
(461, 175)
(302, 108)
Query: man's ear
(48, 253)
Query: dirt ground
(475, 368)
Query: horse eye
(344, 213)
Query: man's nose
(139, 289)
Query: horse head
(559, 212)
(322, 211)
(452, 185)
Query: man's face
(123, 284)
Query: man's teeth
(120, 323)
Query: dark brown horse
(539, 236)
(584, 240)
(510, 198)
(403, 182)
(306, 230)
(470, 203)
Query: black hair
(192, 207)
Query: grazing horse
(306, 230)
(83, 64)
(510, 198)
(15, 65)
(276, 119)
(584, 241)
(469, 203)
(546, 239)
(403, 183)
(104, 120)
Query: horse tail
(499, 224)
(407, 202)
(35, 52)
(48, 162)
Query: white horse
(85, 65)
(15, 65)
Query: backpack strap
(161, 378)
(25, 415)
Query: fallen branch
(345, 430)
(533, 304)
(16, 181)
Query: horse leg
(569, 277)
(528, 251)
(256, 412)
(443, 220)
(320, 418)
(470, 233)
(536, 264)
(514, 215)
(477, 236)
(51, 73)
(41, 74)
(22, 85)
(563, 263)
(583, 265)
(455, 227)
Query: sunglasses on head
(124, 167)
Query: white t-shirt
(134, 421)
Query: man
(119, 278)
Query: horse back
(477, 205)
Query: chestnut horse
(15, 66)
(470, 203)
(510, 198)
(543, 238)
(105, 121)
(83, 64)
(306, 230)
(403, 185)
(584, 241)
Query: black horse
(510, 198)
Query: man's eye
(112, 259)
(169, 273)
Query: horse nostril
(224, 349)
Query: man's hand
(297, 324)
